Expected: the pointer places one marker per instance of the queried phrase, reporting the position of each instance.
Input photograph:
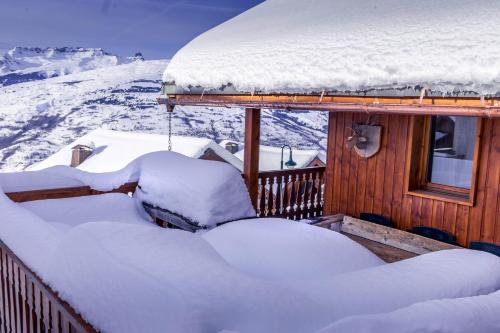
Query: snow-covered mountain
(37, 118)
(22, 64)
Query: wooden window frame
(416, 172)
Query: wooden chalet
(419, 152)
(413, 155)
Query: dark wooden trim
(70, 192)
(474, 107)
(251, 153)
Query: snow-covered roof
(349, 45)
(270, 157)
(114, 150)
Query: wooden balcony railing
(294, 194)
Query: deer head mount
(365, 139)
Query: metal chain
(169, 131)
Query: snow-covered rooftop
(114, 150)
(349, 45)
(270, 157)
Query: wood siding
(377, 185)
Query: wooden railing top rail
(275, 173)
(70, 192)
(81, 191)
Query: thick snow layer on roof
(114, 150)
(270, 157)
(460, 315)
(296, 45)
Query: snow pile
(70, 212)
(27, 235)
(129, 278)
(115, 149)
(461, 315)
(385, 288)
(205, 192)
(297, 46)
(41, 180)
(271, 249)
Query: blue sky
(157, 28)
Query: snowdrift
(270, 249)
(124, 274)
(461, 315)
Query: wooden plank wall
(376, 185)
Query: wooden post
(251, 154)
(330, 165)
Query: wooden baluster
(17, 296)
(293, 196)
(271, 211)
(286, 198)
(24, 301)
(6, 289)
(54, 316)
(47, 320)
(37, 304)
(4, 295)
(307, 195)
(65, 324)
(279, 199)
(321, 192)
(262, 197)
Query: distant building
(106, 150)
(270, 156)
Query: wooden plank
(398, 188)
(378, 196)
(346, 160)
(393, 237)
(389, 166)
(330, 163)
(251, 153)
(385, 252)
(477, 211)
(70, 192)
(352, 172)
(473, 107)
(492, 186)
(339, 148)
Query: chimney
(232, 147)
(79, 154)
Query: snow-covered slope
(38, 118)
(22, 64)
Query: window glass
(452, 150)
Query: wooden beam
(392, 237)
(473, 107)
(251, 154)
(330, 164)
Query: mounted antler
(357, 139)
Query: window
(443, 157)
